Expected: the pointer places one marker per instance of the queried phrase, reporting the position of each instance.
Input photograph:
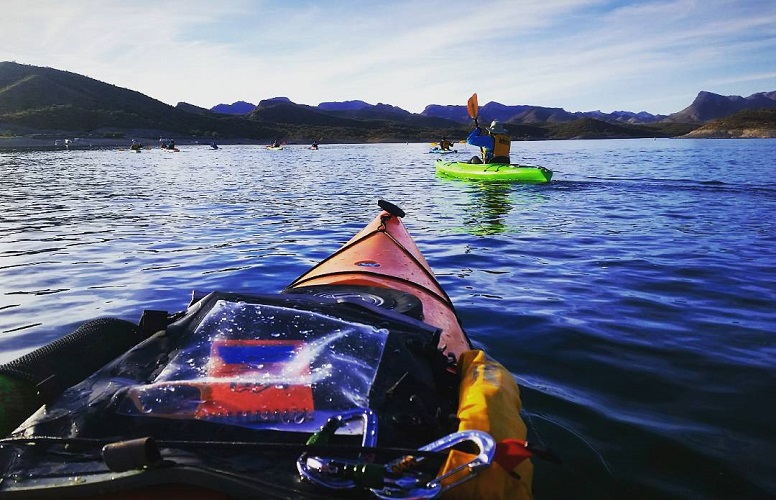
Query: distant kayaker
(135, 144)
(276, 144)
(171, 144)
(444, 144)
(494, 146)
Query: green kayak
(494, 172)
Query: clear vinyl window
(265, 367)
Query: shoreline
(64, 142)
(58, 142)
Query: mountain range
(45, 101)
(707, 106)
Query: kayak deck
(383, 254)
(494, 172)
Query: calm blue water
(633, 297)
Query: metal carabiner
(327, 472)
(406, 487)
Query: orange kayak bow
(384, 255)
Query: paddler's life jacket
(500, 153)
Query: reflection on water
(490, 203)
(487, 207)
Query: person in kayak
(494, 146)
(444, 144)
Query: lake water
(633, 297)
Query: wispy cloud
(577, 54)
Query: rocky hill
(708, 106)
(47, 100)
(236, 108)
(344, 106)
(760, 123)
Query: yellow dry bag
(489, 401)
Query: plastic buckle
(406, 487)
(328, 472)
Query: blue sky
(580, 55)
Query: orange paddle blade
(473, 106)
